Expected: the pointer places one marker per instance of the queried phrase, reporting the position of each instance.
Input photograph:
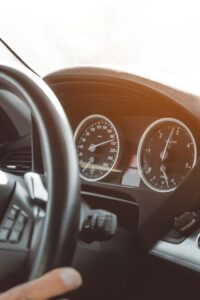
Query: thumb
(54, 283)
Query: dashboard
(136, 140)
(128, 138)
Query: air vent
(17, 162)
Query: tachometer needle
(167, 144)
(100, 144)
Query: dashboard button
(20, 223)
(8, 224)
(15, 236)
(4, 234)
(19, 226)
(21, 219)
(13, 213)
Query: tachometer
(167, 152)
(97, 143)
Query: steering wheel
(28, 240)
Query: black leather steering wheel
(24, 242)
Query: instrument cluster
(163, 157)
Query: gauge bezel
(77, 132)
(141, 143)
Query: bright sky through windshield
(48, 35)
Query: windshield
(129, 34)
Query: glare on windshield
(163, 35)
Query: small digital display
(131, 176)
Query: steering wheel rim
(61, 223)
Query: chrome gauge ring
(97, 143)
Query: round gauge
(167, 152)
(97, 144)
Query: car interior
(99, 169)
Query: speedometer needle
(100, 144)
(91, 160)
(86, 166)
(166, 178)
(167, 144)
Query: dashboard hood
(186, 97)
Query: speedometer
(167, 152)
(97, 144)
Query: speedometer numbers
(166, 153)
(97, 144)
